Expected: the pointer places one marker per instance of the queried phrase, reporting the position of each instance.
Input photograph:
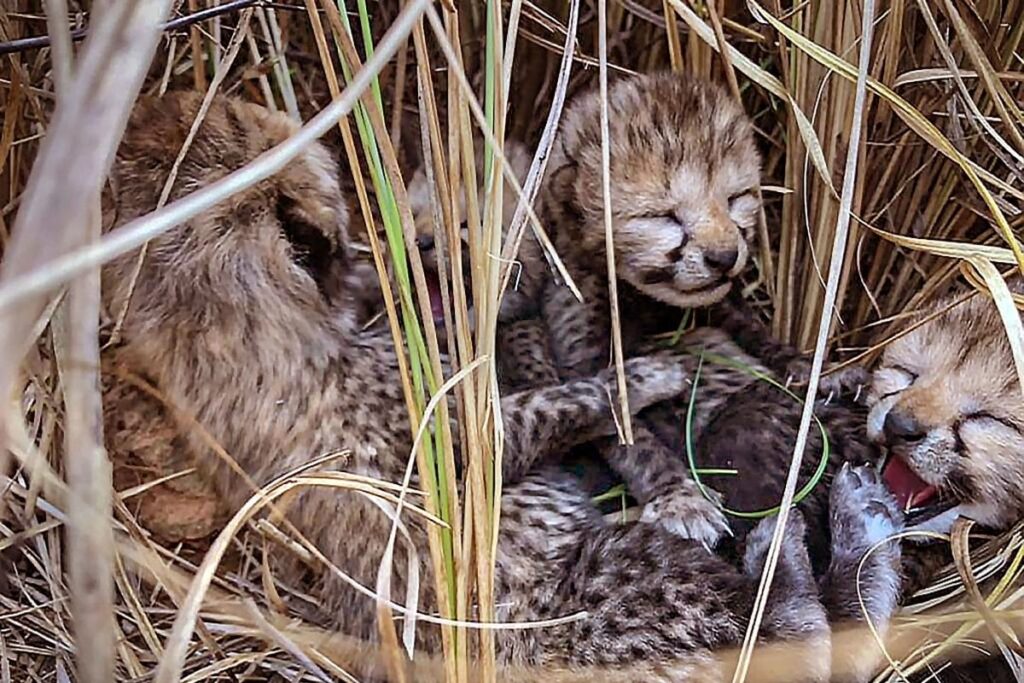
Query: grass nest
(937, 198)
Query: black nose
(902, 427)
(721, 259)
(425, 242)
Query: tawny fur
(245, 318)
(684, 179)
(947, 400)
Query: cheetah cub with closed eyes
(684, 177)
(945, 402)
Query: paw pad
(863, 511)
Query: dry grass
(938, 195)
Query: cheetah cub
(244, 318)
(523, 356)
(684, 177)
(946, 404)
(748, 427)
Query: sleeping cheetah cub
(243, 317)
(684, 175)
(946, 404)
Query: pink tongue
(910, 490)
(436, 303)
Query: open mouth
(919, 500)
(436, 301)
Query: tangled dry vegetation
(938, 197)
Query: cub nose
(721, 259)
(902, 427)
(425, 242)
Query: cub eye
(667, 217)
(733, 198)
(906, 377)
(984, 416)
(980, 428)
(909, 374)
(311, 249)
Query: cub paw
(797, 371)
(689, 515)
(655, 378)
(863, 512)
(849, 382)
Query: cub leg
(795, 625)
(660, 481)
(550, 420)
(862, 514)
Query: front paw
(863, 512)
(848, 382)
(688, 514)
(655, 378)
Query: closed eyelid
(654, 215)
(742, 193)
(905, 370)
(985, 415)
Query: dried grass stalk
(54, 218)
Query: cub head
(946, 402)
(521, 294)
(684, 178)
(268, 264)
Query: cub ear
(311, 249)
